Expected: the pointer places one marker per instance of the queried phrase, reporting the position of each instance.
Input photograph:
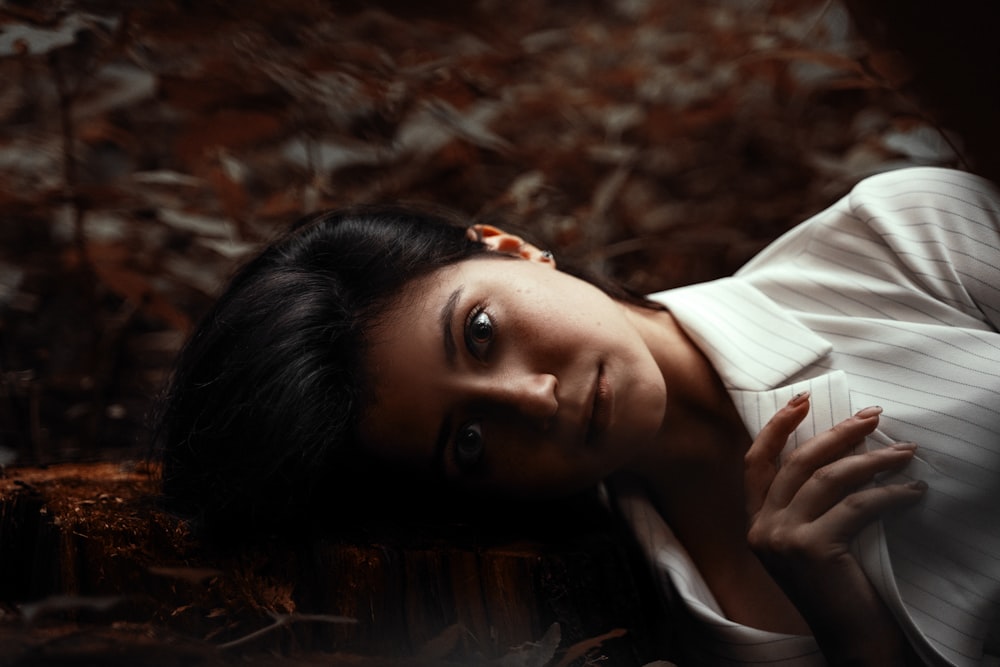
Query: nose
(531, 394)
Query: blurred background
(146, 148)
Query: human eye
(469, 446)
(479, 331)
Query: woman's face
(508, 375)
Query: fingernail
(904, 446)
(918, 485)
(798, 398)
(870, 411)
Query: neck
(694, 473)
(700, 423)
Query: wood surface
(91, 569)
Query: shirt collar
(753, 343)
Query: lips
(601, 407)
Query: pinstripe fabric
(891, 297)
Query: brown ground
(94, 573)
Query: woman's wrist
(852, 625)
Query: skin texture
(508, 376)
(555, 378)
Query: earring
(547, 256)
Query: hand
(803, 517)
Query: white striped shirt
(891, 297)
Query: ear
(498, 240)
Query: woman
(362, 348)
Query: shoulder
(929, 192)
(890, 212)
(924, 235)
(929, 215)
(923, 181)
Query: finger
(846, 519)
(818, 451)
(833, 482)
(760, 461)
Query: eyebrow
(447, 316)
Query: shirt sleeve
(944, 227)
(917, 231)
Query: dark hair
(256, 430)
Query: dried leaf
(19, 38)
(535, 654)
(202, 225)
(115, 87)
(32, 611)
(922, 144)
(580, 649)
(194, 575)
(444, 644)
